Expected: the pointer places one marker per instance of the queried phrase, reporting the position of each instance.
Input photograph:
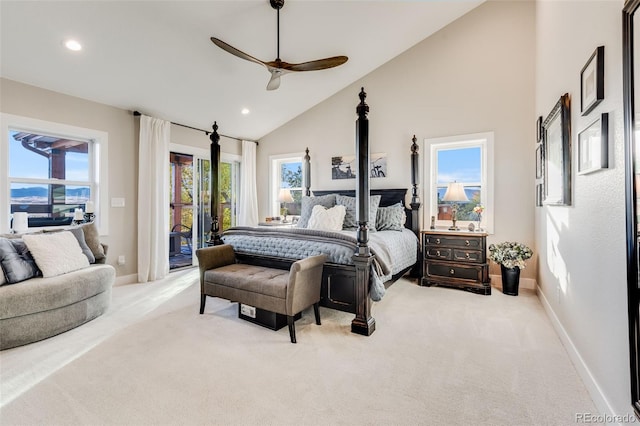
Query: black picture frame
(557, 154)
(593, 146)
(592, 82)
(539, 160)
(539, 129)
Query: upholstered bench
(274, 290)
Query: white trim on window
(99, 169)
(431, 145)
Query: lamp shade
(284, 196)
(455, 192)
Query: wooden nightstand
(456, 259)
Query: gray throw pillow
(350, 219)
(391, 218)
(308, 203)
(16, 261)
(92, 238)
(79, 234)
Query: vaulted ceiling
(157, 56)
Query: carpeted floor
(438, 357)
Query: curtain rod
(206, 132)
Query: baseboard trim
(528, 283)
(598, 397)
(126, 279)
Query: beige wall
(475, 75)
(582, 268)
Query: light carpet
(438, 357)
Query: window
(286, 173)
(50, 170)
(467, 160)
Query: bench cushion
(251, 278)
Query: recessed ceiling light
(245, 111)
(73, 45)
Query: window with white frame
(50, 170)
(466, 162)
(286, 184)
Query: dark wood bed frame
(344, 287)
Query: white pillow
(56, 253)
(327, 219)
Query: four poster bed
(361, 263)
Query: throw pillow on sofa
(56, 253)
(16, 261)
(92, 238)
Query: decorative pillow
(391, 218)
(56, 253)
(327, 219)
(350, 219)
(92, 238)
(308, 203)
(16, 261)
(79, 234)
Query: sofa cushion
(16, 261)
(56, 253)
(43, 294)
(92, 238)
(255, 279)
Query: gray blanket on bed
(298, 243)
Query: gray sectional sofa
(41, 307)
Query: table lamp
(284, 197)
(455, 194)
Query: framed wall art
(557, 154)
(593, 146)
(592, 82)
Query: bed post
(307, 173)
(363, 323)
(415, 203)
(214, 238)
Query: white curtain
(153, 199)
(248, 199)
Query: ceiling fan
(279, 67)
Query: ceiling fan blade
(274, 82)
(320, 64)
(239, 53)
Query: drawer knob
(437, 252)
(452, 271)
(466, 242)
(466, 255)
(437, 240)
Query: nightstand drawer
(468, 256)
(458, 272)
(454, 241)
(439, 253)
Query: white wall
(475, 75)
(582, 266)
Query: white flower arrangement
(510, 254)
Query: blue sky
(459, 165)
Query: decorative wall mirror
(631, 69)
(556, 135)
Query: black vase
(510, 280)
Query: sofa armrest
(215, 257)
(305, 280)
